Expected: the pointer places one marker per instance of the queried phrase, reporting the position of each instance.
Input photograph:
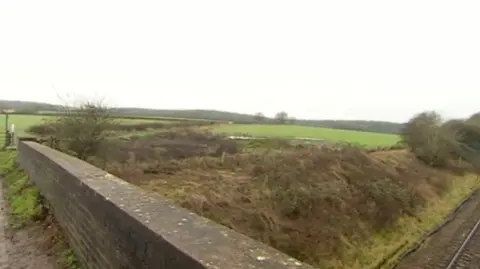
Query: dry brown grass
(307, 201)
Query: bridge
(112, 224)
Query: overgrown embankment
(331, 206)
(335, 207)
(29, 217)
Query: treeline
(442, 143)
(21, 107)
(27, 107)
(356, 125)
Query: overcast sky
(378, 60)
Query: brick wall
(112, 224)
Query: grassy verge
(26, 206)
(385, 248)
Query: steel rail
(464, 244)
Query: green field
(22, 122)
(291, 131)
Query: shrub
(437, 143)
(423, 135)
(466, 135)
(82, 130)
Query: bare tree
(82, 129)
(427, 140)
(281, 117)
(259, 116)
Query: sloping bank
(38, 240)
(338, 208)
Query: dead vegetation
(51, 127)
(303, 200)
(309, 201)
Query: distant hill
(356, 125)
(27, 107)
(214, 115)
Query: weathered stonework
(112, 224)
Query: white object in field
(12, 128)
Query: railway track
(456, 245)
(468, 255)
